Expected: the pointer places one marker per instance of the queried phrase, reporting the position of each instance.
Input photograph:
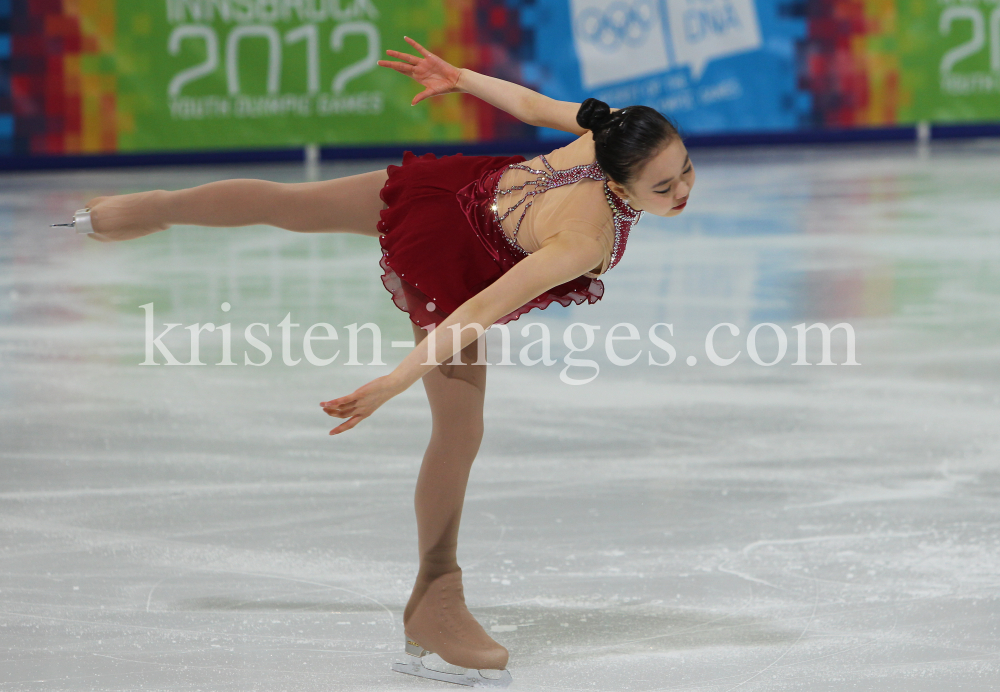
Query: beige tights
(456, 394)
(436, 614)
(350, 204)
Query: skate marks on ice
(821, 643)
(901, 594)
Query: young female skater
(467, 241)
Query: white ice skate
(81, 222)
(445, 672)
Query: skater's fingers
(426, 93)
(333, 403)
(403, 67)
(342, 407)
(400, 67)
(346, 412)
(336, 410)
(347, 425)
(423, 51)
(412, 59)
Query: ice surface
(684, 527)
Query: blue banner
(711, 65)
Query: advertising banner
(949, 56)
(199, 74)
(120, 76)
(713, 65)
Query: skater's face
(664, 183)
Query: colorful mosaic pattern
(486, 36)
(58, 84)
(853, 82)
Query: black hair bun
(593, 114)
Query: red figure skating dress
(455, 225)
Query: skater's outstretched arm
(562, 257)
(440, 77)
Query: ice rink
(681, 527)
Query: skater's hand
(123, 217)
(361, 404)
(430, 71)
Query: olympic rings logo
(619, 23)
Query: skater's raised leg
(349, 205)
(436, 616)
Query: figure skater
(467, 242)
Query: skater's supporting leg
(436, 614)
(456, 394)
(350, 204)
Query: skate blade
(81, 222)
(470, 678)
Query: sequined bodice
(624, 215)
(479, 201)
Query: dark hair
(626, 139)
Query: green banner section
(949, 54)
(211, 74)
